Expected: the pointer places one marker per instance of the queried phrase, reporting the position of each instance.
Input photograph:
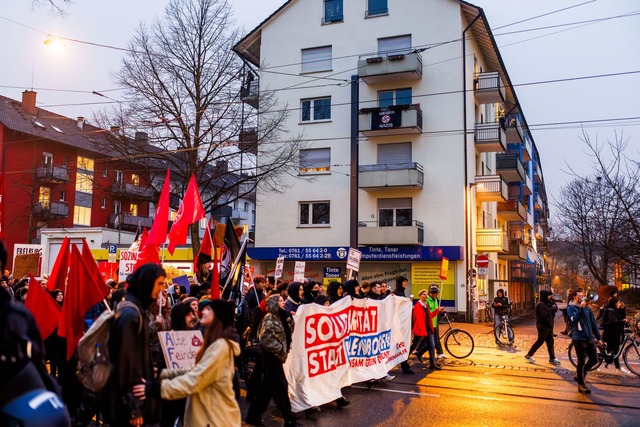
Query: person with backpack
(130, 353)
(613, 328)
(585, 337)
(208, 387)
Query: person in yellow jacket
(209, 385)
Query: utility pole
(353, 200)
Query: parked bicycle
(504, 331)
(459, 343)
(629, 349)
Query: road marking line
(415, 393)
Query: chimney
(81, 122)
(29, 102)
(142, 138)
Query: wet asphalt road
(492, 387)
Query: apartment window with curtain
(84, 182)
(332, 11)
(397, 45)
(81, 215)
(387, 98)
(315, 110)
(314, 213)
(396, 212)
(44, 197)
(316, 59)
(135, 179)
(119, 176)
(47, 159)
(377, 7)
(103, 203)
(133, 209)
(63, 195)
(315, 160)
(85, 163)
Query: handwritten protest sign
(26, 264)
(180, 348)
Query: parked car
(556, 297)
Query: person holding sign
(434, 307)
(208, 387)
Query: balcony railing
(376, 233)
(53, 174)
(394, 120)
(540, 204)
(529, 222)
(248, 140)
(513, 129)
(391, 176)
(249, 93)
(527, 149)
(491, 188)
(490, 138)
(512, 210)
(50, 210)
(488, 88)
(126, 221)
(537, 173)
(131, 191)
(510, 167)
(517, 251)
(491, 240)
(239, 214)
(539, 232)
(522, 272)
(390, 67)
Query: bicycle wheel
(632, 359)
(504, 334)
(573, 358)
(459, 343)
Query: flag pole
(234, 266)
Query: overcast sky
(64, 78)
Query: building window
(133, 209)
(63, 195)
(105, 173)
(332, 11)
(314, 213)
(245, 206)
(315, 160)
(117, 207)
(119, 176)
(85, 163)
(395, 212)
(377, 7)
(44, 197)
(81, 215)
(135, 179)
(203, 223)
(399, 45)
(398, 153)
(47, 158)
(103, 204)
(387, 98)
(84, 183)
(314, 110)
(316, 59)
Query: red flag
(204, 256)
(158, 234)
(1, 205)
(44, 308)
(58, 276)
(83, 292)
(215, 276)
(91, 264)
(190, 211)
(148, 252)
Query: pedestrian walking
(585, 337)
(423, 330)
(613, 330)
(434, 307)
(544, 325)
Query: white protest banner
(279, 267)
(128, 260)
(298, 274)
(349, 342)
(180, 348)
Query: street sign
(482, 271)
(279, 267)
(112, 249)
(482, 261)
(353, 259)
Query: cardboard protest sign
(180, 348)
(26, 264)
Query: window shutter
(394, 45)
(315, 158)
(399, 203)
(393, 154)
(316, 59)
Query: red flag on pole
(44, 308)
(91, 264)
(148, 252)
(204, 256)
(58, 276)
(190, 211)
(158, 234)
(83, 292)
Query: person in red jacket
(423, 330)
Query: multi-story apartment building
(423, 154)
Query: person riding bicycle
(501, 306)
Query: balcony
(490, 138)
(249, 93)
(248, 140)
(395, 120)
(513, 129)
(527, 188)
(523, 272)
(491, 188)
(540, 204)
(401, 176)
(517, 251)
(527, 149)
(126, 221)
(539, 232)
(488, 88)
(512, 210)
(52, 174)
(491, 240)
(390, 68)
(131, 191)
(372, 233)
(50, 210)
(529, 222)
(537, 173)
(239, 215)
(510, 167)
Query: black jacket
(501, 309)
(544, 313)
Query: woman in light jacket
(209, 385)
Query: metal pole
(353, 200)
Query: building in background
(446, 165)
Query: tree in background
(182, 83)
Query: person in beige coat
(209, 385)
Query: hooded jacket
(544, 313)
(332, 291)
(272, 334)
(293, 301)
(208, 387)
(583, 322)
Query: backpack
(601, 316)
(94, 365)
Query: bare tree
(56, 7)
(183, 83)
